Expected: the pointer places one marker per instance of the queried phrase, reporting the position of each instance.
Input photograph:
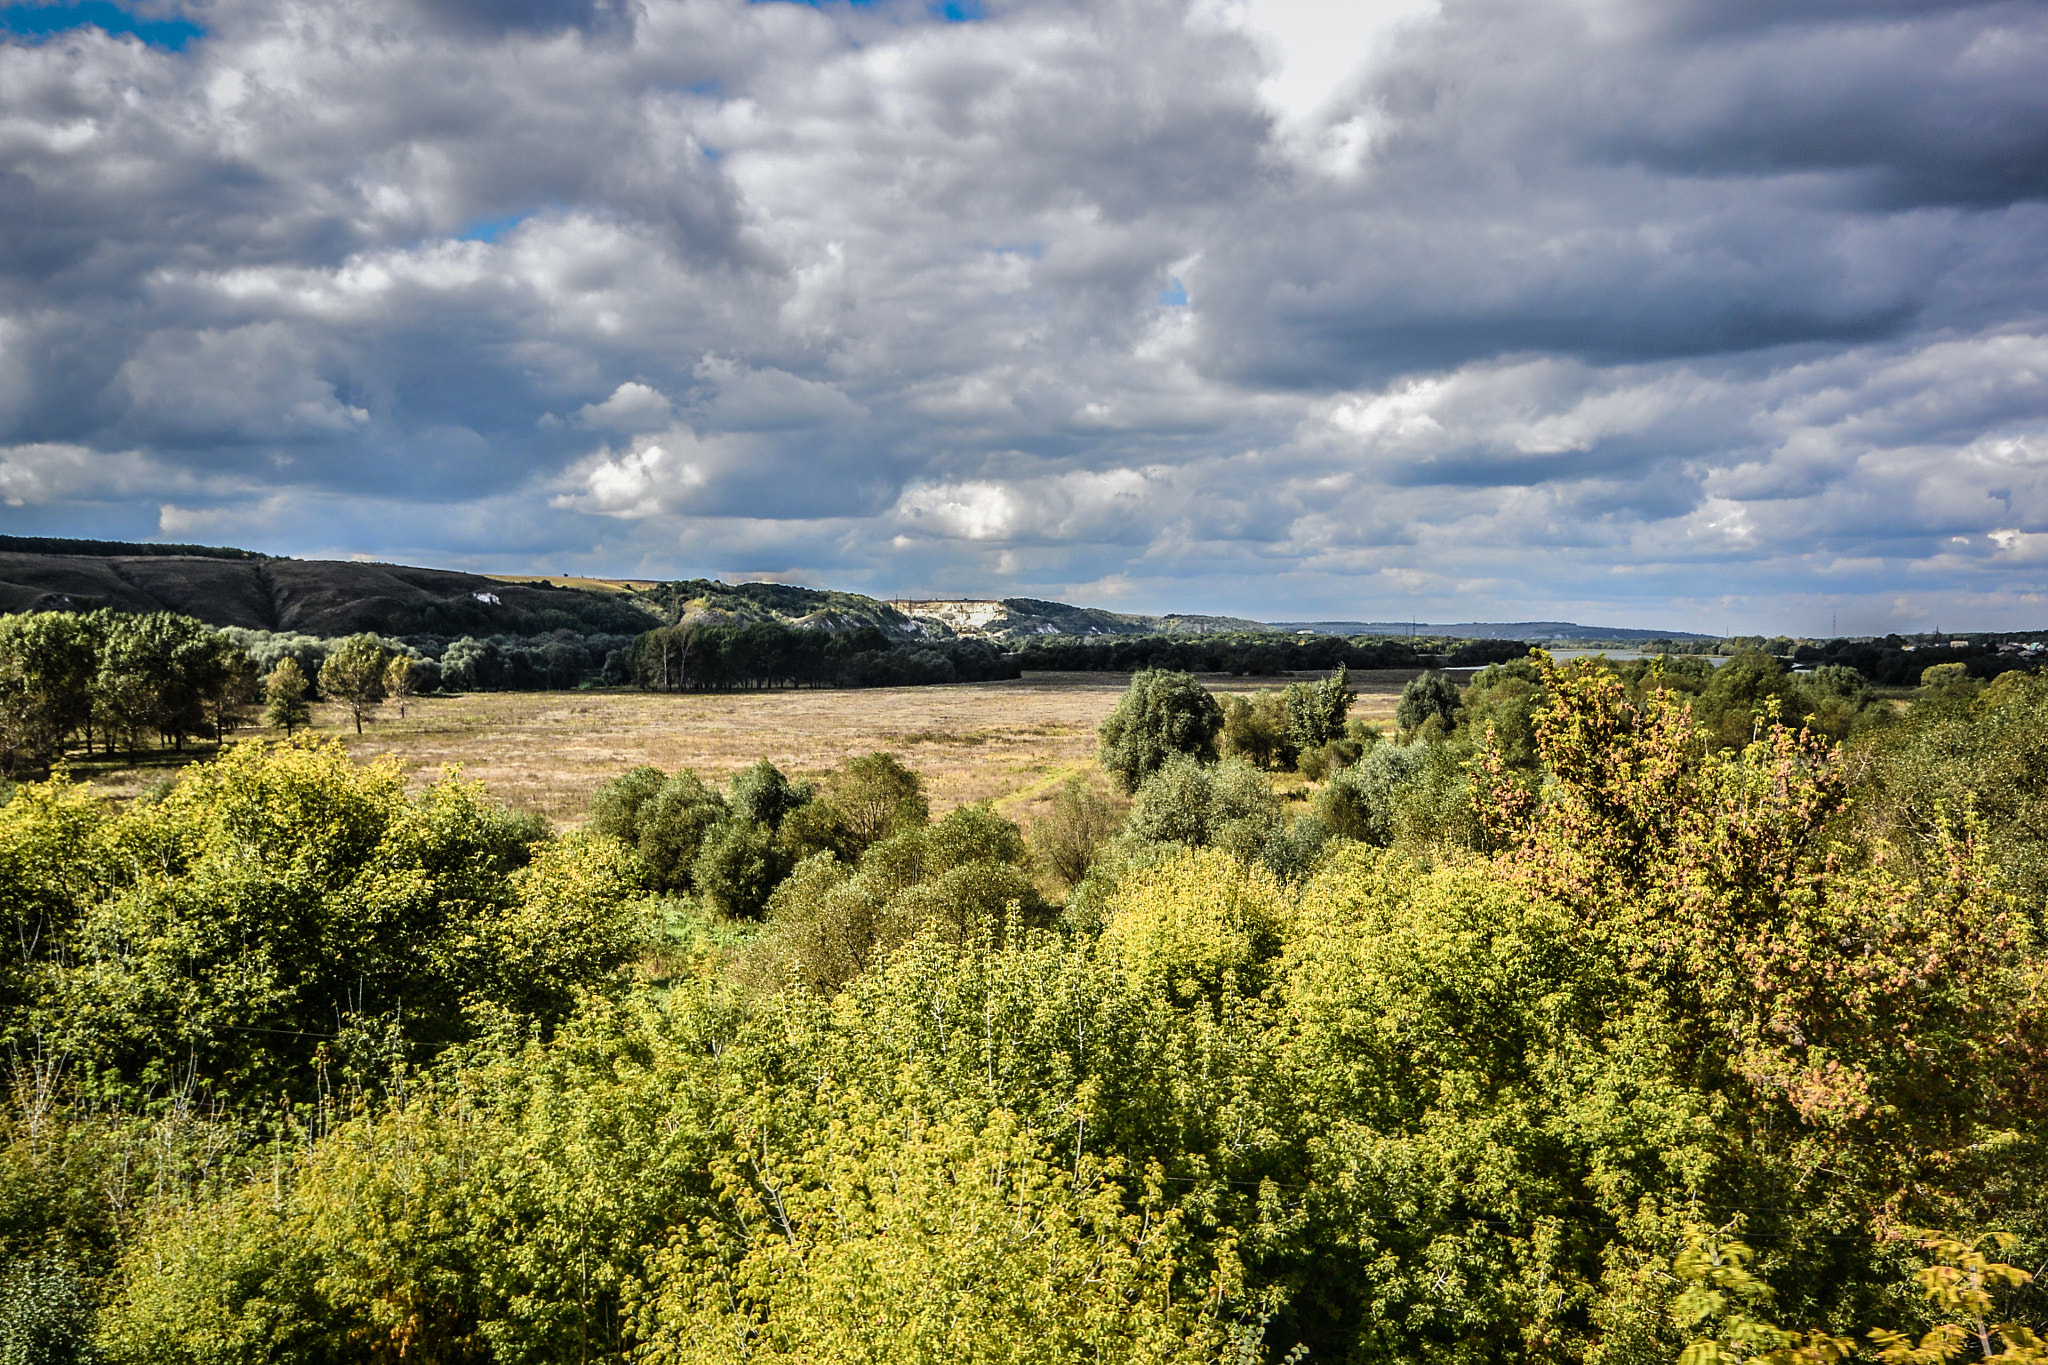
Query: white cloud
(1512, 310)
(44, 473)
(961, 511)
(1319, 45)
(654, 474)
(631, 409)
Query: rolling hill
(228, 587)
(312, 596)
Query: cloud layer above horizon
(1682, 313)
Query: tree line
(1889, 661)
(113, 680)
(1257, 655)
(1894, 662)
(107, 549)
(708, 656)
(109, 680)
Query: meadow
(1011, 742)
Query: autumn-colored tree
(285, 704)
(353, 674)
(401, 680)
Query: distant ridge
(1532, 631)
(232, 587)
(1022, 618)
(310, 596)
(108, 549)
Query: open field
(1011, 742)
(577, 581)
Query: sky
(1716, 315)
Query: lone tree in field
(401, 680)
(285, 697)
(354, 675)
(1164, 713)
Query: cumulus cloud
(1702, 314)
(653, 475)
(631, 408)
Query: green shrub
(615, 809)
(672, 824)
(762, 795)
(1431, 701)
(1316, 711)
(1227, 804)
(1161, 715)
(1360, 801)
(1068, 836)
(737, 866)
(1255, 730)
(875, 797)
(46, 1314)
(973, 834)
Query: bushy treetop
(1163, 713)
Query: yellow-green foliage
(498, 1216)
(829, 922)
(285, 901)
(893, 1237)
(1418, 1104)
(1190, 919)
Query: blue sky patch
(491, 229)
(40, 21)
(1175, 295)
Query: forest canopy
(1582, 1027)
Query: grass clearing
(1012, 742)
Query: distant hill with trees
(1015, 619)
(308, 596)
(224, 586)
(1540, 632)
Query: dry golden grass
(1010, 742)
(575, 581)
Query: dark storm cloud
(1551, 308)
(1610, 182)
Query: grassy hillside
(711, 602)
(1023, 618)
(316, 597)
